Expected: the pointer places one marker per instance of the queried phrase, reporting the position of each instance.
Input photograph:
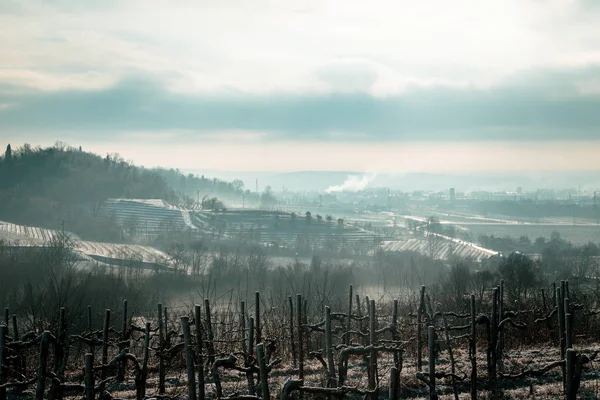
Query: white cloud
(383, 46)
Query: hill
(61, 187)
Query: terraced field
(150, 216)
(278, 227)
(109, 253)
(440, 248)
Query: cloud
(542, 105)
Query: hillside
(63, 187)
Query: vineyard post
(292, 340)
(493, 342)
(305, 322)
(300, 344)
(89, 321)
(349, 320)
(161, 348)
(89, 376)
(199, 358)
(360, 322)
(251, 336)
(257, 326)
(123, 344)
(105, 329)
(394, 384)
(140, 380)
(43, 363)
(419, 329)
(331, 380)
(561, 331)
(243, 326)
(568, 325)
(249, 374)
(431, 344)
(500, 347)
(262, 368)
(473, 349)
(570, 391)
(394, 327)
(373, 356)
(3, 334)
(167, 341)
(189, 358)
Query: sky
(279, 85)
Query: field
(107, 253)
(269, 348)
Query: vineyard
(442, 249)
(419, 345)
(107, 253)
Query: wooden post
(243, 327)
(140, 380)
(292, 341)
(359, 314)
(257, 326)
(431, 346)
(420, 311)
(122, 345)
(571, 393)
(568, 327)
(161, 348)
(42, 365)
(473, 349)
(89, 377)
(349, 319)
(3, 334)
(199, 358)
(500, 347)
(249, 375)
(189, 358)
(561, 331)
(395, 333)
(373, 356)
(492, 346)
(331, 380)
(105, 329)
(262, 367)
(394, 384)
(300, 342)
(166, 327)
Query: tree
(267, 198)
(238, 185)
(308, 217)
(520, 273)
(8, 153)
